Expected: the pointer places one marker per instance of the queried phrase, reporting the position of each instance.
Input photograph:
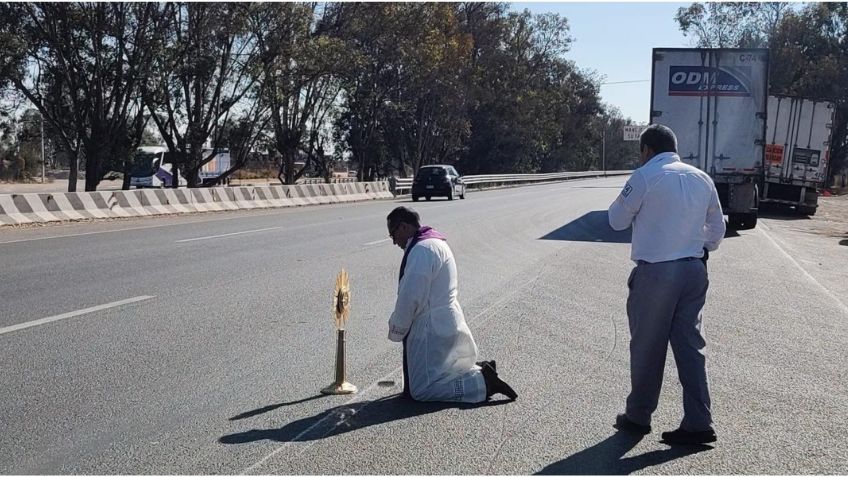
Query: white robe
(441, 353)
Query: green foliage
(468, 84)
(731, 24)
(301, 59)
(388, 86)
(80, 65)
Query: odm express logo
(704, 81)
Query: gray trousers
(664, 306)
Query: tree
(426, 113)
(376, 35)
(581, 120)
(620, 154)
(81, 66)
(531, 109)
(28, 147)
(203, 72)
(809, 51)
(241, 136)
(300, 56)
(731, 24)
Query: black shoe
(622, 423)
(491, 363)
(679, 436)
(494, 384)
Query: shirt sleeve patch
(627, 190)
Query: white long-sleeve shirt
(441, 352)
(673, 208)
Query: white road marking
(809, 277)
(35, 239)
(227, 235)
(50, 319)
(378, 241)
(127, 229)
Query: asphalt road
(211, 335)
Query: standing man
(676, 218)
(439, 353)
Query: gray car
(437, 181)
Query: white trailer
(797, 151)
(715, 102)
(219, 164)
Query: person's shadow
(347, 418)
(591, 227)
(605, 457)
(594, 227)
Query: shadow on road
(263, 410)
(605, 457)
(594, 227)
(347, 418)
(591, 227)
(780, 212)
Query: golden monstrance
(341, 312)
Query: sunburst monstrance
(341, 312)
(341, 300)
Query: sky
(615, 40)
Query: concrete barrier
(36, 208)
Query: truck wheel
(807, 210)
(415, 198)
(742, 221)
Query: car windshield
(431, 171)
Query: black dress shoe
(494, 384)
(622, 423)
(491, 363)
(679, 436)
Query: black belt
(684, 259)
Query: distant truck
(797, 151)
(715, 101)
(212, 170)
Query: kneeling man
(439, 353)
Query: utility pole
(604, 149)
(43, 159)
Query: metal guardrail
(399, 184)
(320, 180)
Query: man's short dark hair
(405, 215)
(659, 138)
